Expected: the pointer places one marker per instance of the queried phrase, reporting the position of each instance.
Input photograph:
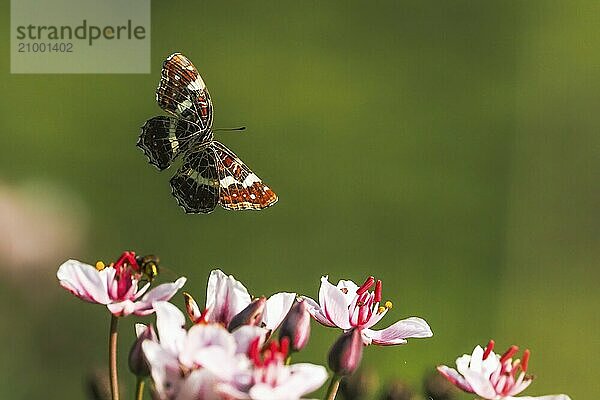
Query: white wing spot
(250, 180)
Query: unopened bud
(397, 390)
(437, 387)
(251, 315)
(137, 361)
(296, 326)
(346, 353)
(192, 309)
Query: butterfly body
(211, 174)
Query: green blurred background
(450, 148)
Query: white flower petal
(200, 384)
(315, 310)
(412, 327)
(246, 334)
(164, 369)
(85, 281)
(169, 325)
(334, 304)
(225, 297)
(453, 376)
(163, 292)
(122, 308)
(204, 338)
(276, 308)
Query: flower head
(226, 298)
(492, 376)
(115, 285)
(209, 362)
(349, 306)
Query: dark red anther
(489, 348)
(377, 291)
(525, 360)
(366, 286)
(509, 353)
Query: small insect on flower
(211, 174)
(148, 266)
(116, 285)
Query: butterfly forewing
(182, 91)
(196, 183)
(241, 189)
(164, 138)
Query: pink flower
(226, 297)
(348, 306)
(115, 286)
(189, 364)
(208, 362)
(491, 376)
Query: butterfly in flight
(211, 174)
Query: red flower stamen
(284, 346)
(377, 291)
(254, 352)
(366, 286)
(509, 353)
(127, 258)
(488, 350)
(525, 360)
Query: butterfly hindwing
(182, 91)
(241, 189)
(196, 183)
(164, 138)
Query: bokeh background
(450, 148)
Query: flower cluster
(229, 350)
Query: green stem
(333, 387)
(139, 392)
(112, 358)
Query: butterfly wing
(195, 186)
(182, 91)
(241, 189)
(164, 138)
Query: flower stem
(112, 358)
(333, 387)
(139, 391)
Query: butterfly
(211, 174)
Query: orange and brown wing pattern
(182, 91)
(240, 188)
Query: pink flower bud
(251, 315)
(296, 326)
(346, 353)
(137, 362)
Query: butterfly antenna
(239, 128)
